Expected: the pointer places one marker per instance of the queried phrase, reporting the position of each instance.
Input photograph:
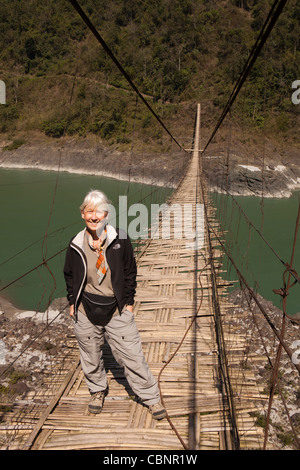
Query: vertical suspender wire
(119, 66)
(262, 38)
(44, 243)
(222, 356)
(279, 351)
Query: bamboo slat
(176, 319)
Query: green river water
(27, 212)
(261, 261)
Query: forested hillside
(178, 52)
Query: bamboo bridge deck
(175, 314)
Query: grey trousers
(123, 337)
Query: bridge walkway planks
(175, 316)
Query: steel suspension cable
(272, 18)
(107, 49)
(253, 296)
(291, 271)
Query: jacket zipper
(83, 279)
(85, 272)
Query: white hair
(95, 199)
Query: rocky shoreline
(270, 179)
(261, 339)
(24, 331)
(31, 343)
(19, 327)
(88, 157)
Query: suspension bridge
(179, 310)
(212, 396)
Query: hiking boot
(96, 403)
(158, 411)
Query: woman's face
(93, 218)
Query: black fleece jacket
(120, 258)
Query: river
(34, 203)
(260, 259)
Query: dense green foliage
(59, 79)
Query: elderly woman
(100, 274)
